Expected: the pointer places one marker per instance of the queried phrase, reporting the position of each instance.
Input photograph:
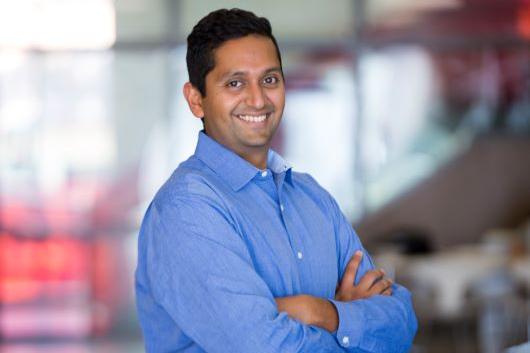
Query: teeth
(252, 118)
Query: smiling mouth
(254, 118)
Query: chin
(257, 140)
(256, 143)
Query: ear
(194, 99)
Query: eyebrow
(236, 73)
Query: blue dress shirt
(222, 239)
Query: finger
(370, 278)
(388, 291)
(380, 286)
(348, 278)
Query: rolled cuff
(351, 326)
(379, 324)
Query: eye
(271, 80)
(234, 84)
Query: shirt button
(264, 173)
(345, 341)
(300, 255)
(282, 208)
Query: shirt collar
(236, 171)
(278, 165)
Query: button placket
(292, 241)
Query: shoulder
(308, 183)
(192, 198)
(305, 179)
(191, 182)
(190, 208)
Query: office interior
(414, 114)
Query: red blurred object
(63, 271)
(523, 20)
(27, 264)
(473, 22)
(44, 287)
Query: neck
(255, 155)
(257, 158)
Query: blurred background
(414, 114)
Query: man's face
(245, 94)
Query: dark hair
(212, 31)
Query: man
(239, 253)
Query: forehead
(252, 53)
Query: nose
(256, 96)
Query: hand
(310, 311)
(372, 283)
(321, 312)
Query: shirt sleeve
(376, 324)
(201, 273)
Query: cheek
(278, 99)
(225, 104)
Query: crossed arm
(321, 312)
(203, 278)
